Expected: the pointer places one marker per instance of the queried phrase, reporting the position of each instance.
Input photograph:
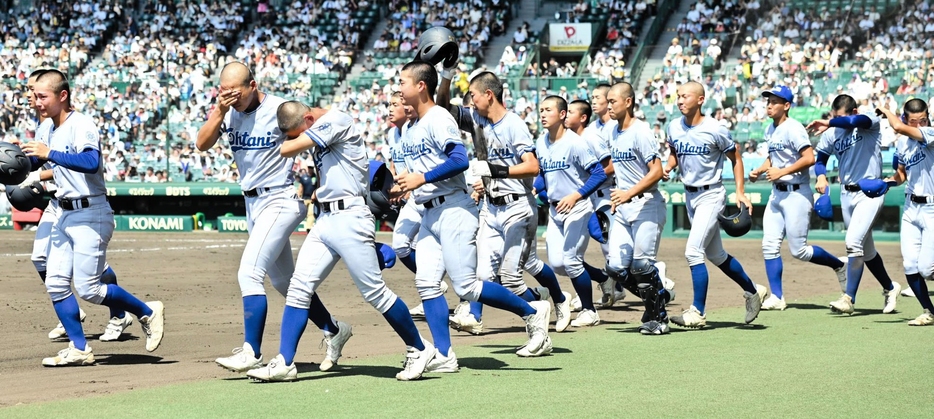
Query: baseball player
(435, 161)
(571, 173)
(344, 230)
(916, 167)
(506, 238)
(85, 226)
(698, 146)
(638, 209)
(306, 189)
(119, 321)
(246, 117)
(856, 140)
(788, 212)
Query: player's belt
(787, 187)
(338, 205)
(79, 203)
(693, 189)
(434, 202)
(601, 194)
(851, 188)
(505, 199)
(920, 199)
(253, 193)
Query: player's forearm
(210, 131)
(739, 172)
(851, 121)
(608, 168)
(803, 163)
(457, 163)
(902, 128)
(672, 161)
(527, 169)
(46, 175)
(649, 180)
(87, 161)
(597, 177)
(443, 96)
(292, 148)
(820, 165)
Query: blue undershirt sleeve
(457, 163)
(87, 161)
(597, 176)
(820, 166)
(851, 121)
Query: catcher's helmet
(437, 45)
(738, 224)
(380, 183)
(14, 165)
(599, 226)
(28, 197)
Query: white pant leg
(271, 219)
(566, 249)
(43, 243)
(514, 219)
(926, 256)
(315, 262)
(910, 237)
(620, 242)
(405, 230)
(859, 214)
(704, 238)
(773, 226)
(456, 230)
(533, 265)
(796, 210)
(647, 228)
(489, 243)
(60, 266)
(90, 231)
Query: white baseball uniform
(410, 216)
(598, 135)
(565, 165)
(507, 211)
(447, 237)
(788, 212)
(273, 210)
(917, 227)
(344, 227)
(860, 157)
(86, 223)
(51, 213)
(638, 223)
(701, 151)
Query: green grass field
(804, 362)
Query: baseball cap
(780, 91)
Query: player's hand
(666, 173)
(475, 196)
(819, 126)
(36, 149)
(410, 181)
(754, 175)
(480, 168)
(478, 187)
(448, 72)
(565, 204)
(619, 197)
(741, 198)
(773, 174)
(226, 99)
(15, 141)
(32, 177)
(883, 112)
(821, 185)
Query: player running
(698, 145)
(788, 213)
(435, 161)
(856, 141)
(80, 237)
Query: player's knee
(574, 268)
(298, 299)
(694, 255)
(251, 283)
(402, 251)
(854, 249)
(803, 253)
(642, 268)
(91, 291)
(926, 270)
(58, 290)
(911, 267)
(771, 250)
(615, 268)
(40, 265)
(428, 289)
(717, 258)
(534, 267)
(469, 291)
(380, 297)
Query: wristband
(498, 172)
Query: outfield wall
(219, 206)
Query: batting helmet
(27, 197)
(823, 207)
(738, 224)
(14, 165)
(380, 183)
(437, 45)
(874, 188)
(599, 226)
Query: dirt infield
(195, 276)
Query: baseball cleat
(536, 326)
(417, 311)
(654, 327)
(467, 323)
(774, 303)
(925, 319)
(841, 274)
(416, 362)
(59, 331)
(610, 294)
(691, 318)
(754, 302)
(70, 357)
(242, 360)
(441, 363)
(563, 313)
(586, 318)
(891, 297)
(543, 293)
(154, 325)
(444, 287)
(274, 371)
(907, 292)
(576, 303)
(335, 344)
(115, 328)
(461, 308)
(844, 305)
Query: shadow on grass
(376, 371)
(131, 359)
(809, 306)
(511, 349)
(493, 364)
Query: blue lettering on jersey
(501, 153)
(621, 155)
(685, 149)
(549, 165)
(319, 154)
(776, 147)
(415, 151)
(915, 158)
(243, 141)
(845, 143)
